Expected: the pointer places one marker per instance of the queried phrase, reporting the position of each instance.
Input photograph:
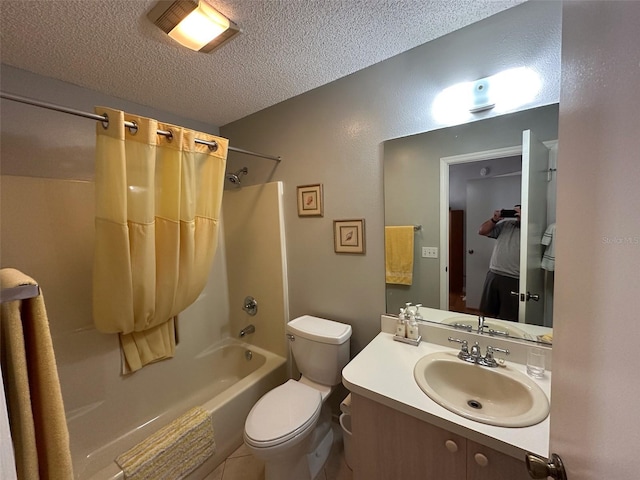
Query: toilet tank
(320, 348)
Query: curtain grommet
(133, 128)
(213, 146)
(105, 122)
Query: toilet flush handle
(290, 337)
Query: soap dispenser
(413, 331)
(401, 326)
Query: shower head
(235, 177)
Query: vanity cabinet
(484, 463)
(388, 444)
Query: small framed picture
(348, 236)
(310, 200)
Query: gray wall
(333, 135)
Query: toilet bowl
(281, 430)
(290, 426)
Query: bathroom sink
(498, 396)
(491, 324)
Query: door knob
(533, 296)
(540, 467)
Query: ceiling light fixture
(195, 25)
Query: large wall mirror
(444, 184)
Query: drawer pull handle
(451, 446)
(481, 460)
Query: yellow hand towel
(398, 254)
(34, 398)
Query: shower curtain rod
(104, 119)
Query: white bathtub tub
(237, 383)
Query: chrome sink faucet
(488, 360)
(481, 324)
(475, 355)
(464, 353)
(492, 332)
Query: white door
(535, 167)
(595, 421)
(483, 197)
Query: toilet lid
(282, 413)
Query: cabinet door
(484, 463)
(388, 444)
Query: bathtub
(241, 374)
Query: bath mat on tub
(172, 452)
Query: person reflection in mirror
(503, 276)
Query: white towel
(549, 257)
(172, 452)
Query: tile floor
(241, 465)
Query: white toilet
(289, 428)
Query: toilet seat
(282, 414)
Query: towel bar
(21, 292)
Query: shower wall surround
(255, 242)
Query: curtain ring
(105, 122)
(133, 128)
(213, 146)
(170, 135)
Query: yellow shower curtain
(158, 204)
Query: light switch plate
(429, 252)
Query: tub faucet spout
(246, 330)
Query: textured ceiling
(287, 47)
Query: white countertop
(383, 372)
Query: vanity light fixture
(195, 25)
(482, 96)
(501, 92)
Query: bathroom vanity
(400, 432)
(390, 444)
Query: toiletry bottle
(412, 326)
(401, 327)
(408, 314)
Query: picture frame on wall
(349, 236)
(310, 202)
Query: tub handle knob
(250, 306)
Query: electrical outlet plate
(429, 252)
